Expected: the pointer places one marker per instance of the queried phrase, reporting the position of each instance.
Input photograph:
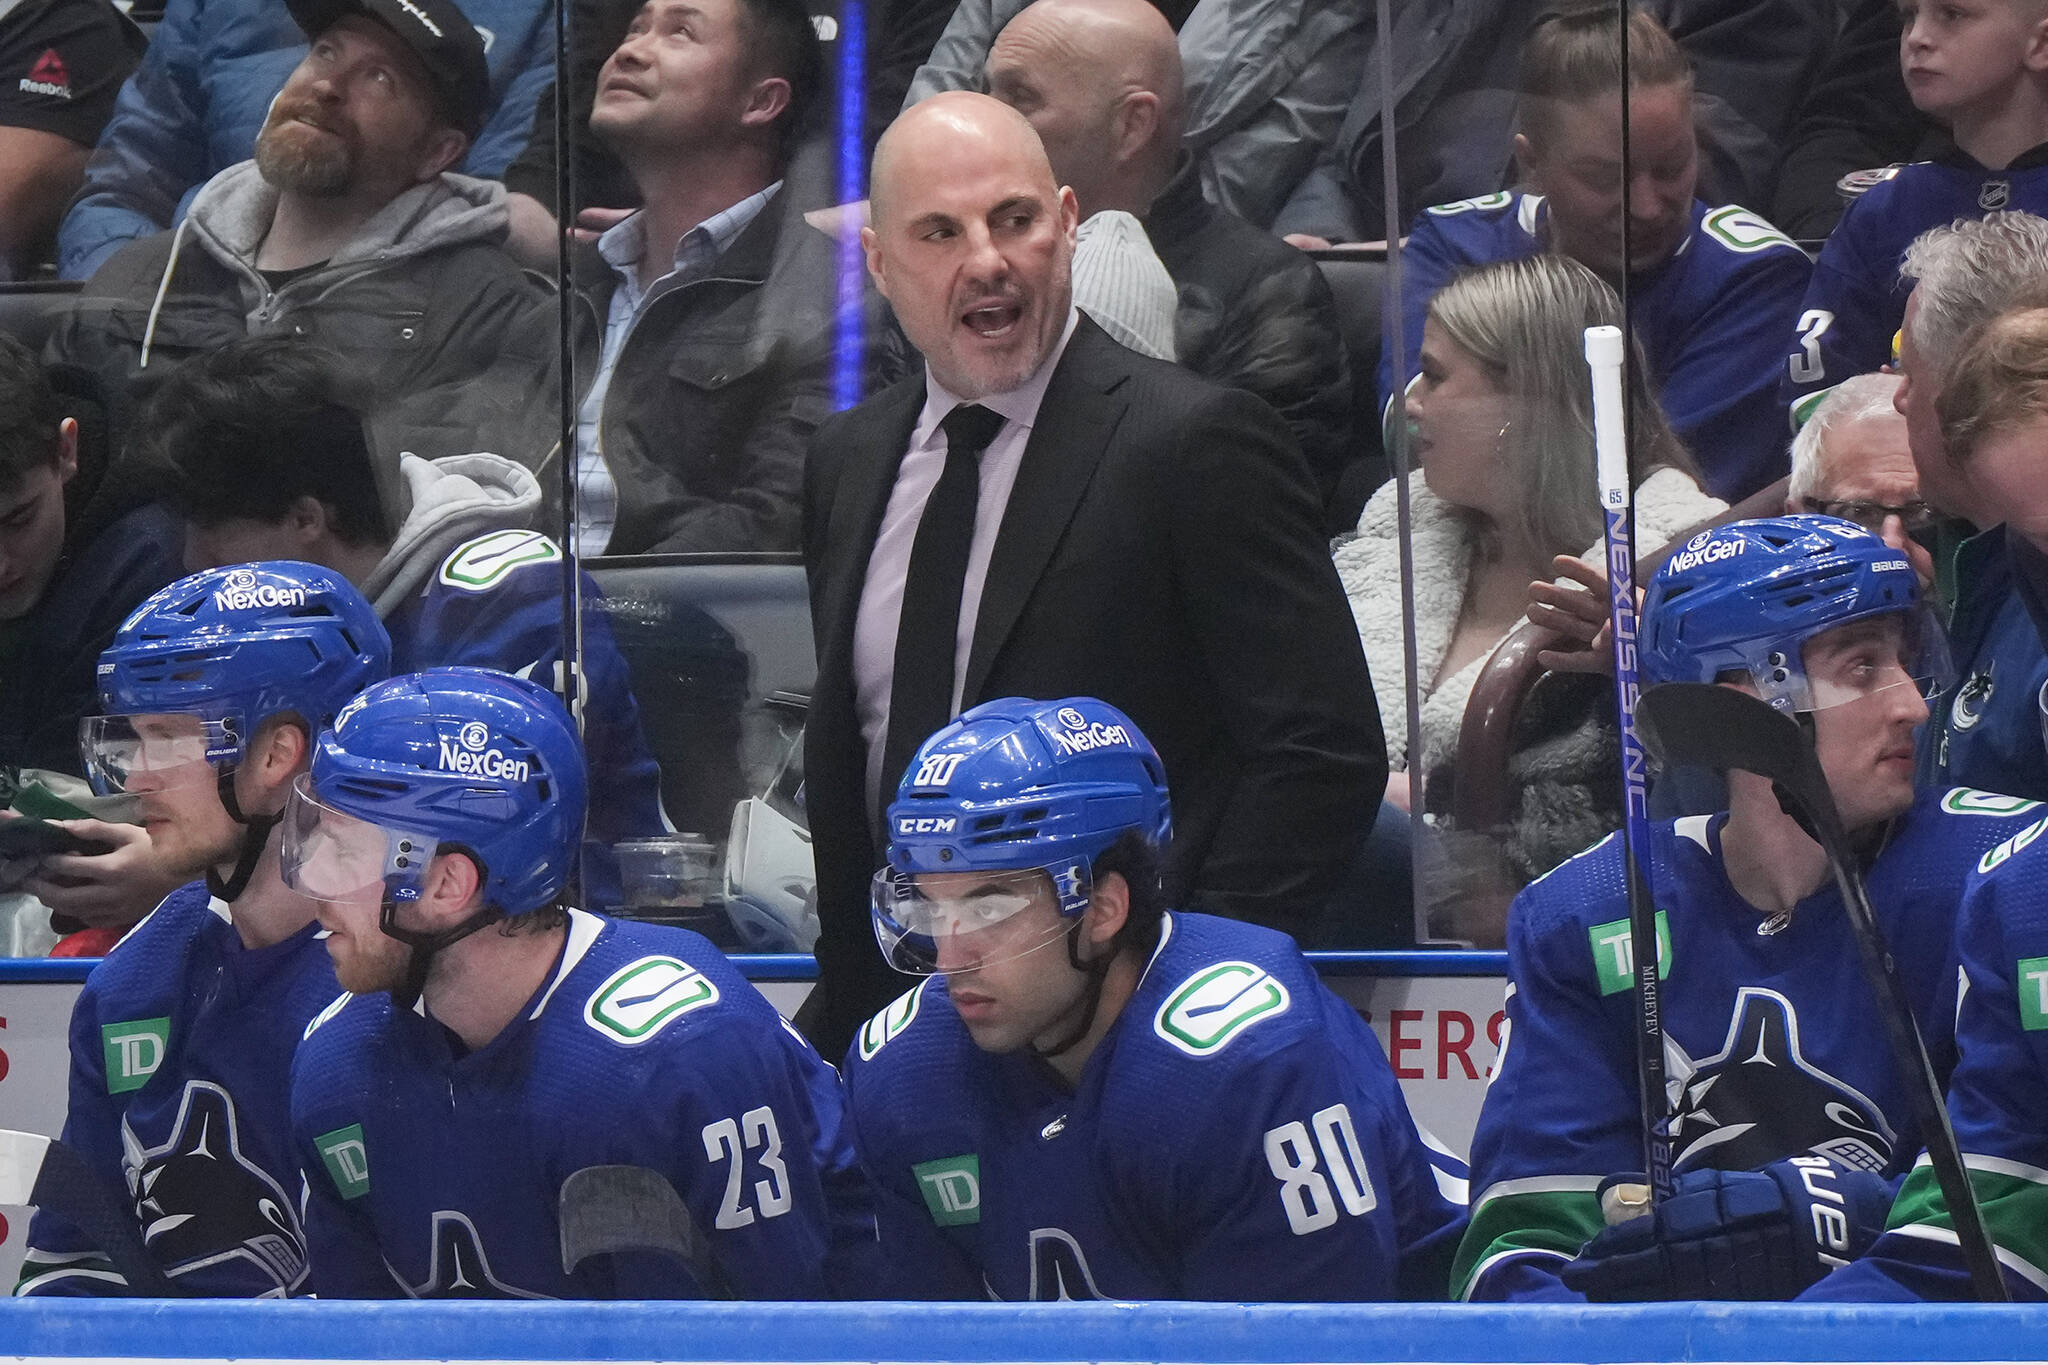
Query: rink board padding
(249, 1333)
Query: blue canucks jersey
(1985, 727)
(1712, 321)
(1856, 301)
(181, 1047)
(1237, 1134)
(496, 602)
(1769, 1048)
(435, 1172)
(1997, 1100)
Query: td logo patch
(2032, 974)
(951, 1187)
(1614, 959)
(347, 1160)
(133, 1051)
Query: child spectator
(1981, 68)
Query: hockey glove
(1736, 1234)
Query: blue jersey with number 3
(1238, 1134)
(436, 1172)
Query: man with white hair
(1852, 460)
(1985, 729)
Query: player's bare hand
(1397, 793)
(1576, 614)
(104, 890)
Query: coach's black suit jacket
(1162, 550)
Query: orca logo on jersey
(471, 755)
(1059, 1268)
(1759, 1099)
(457, 1267)
(1971, 699)
(202, 1203)
(241, 591)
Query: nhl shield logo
(1995, 195)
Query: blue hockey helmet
(228, 648)
(470, 758)
(1016, 792)
(1747, 596)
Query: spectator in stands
(1502, 415)
(263, 454)
(348, 229)
(1713, 291)
(1981, 68)
(1267, 82)
(1851, 459)
(1100, 80)
(1856, 116)
(714, 305)
(62, 63)
(1455, 65)
(204, 91)
(1986, 728)
(76, 554)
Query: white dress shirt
(881, 594)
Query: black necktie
(921, 687)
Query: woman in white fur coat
(1502, 417)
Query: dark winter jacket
(454, 343)
(1256, 314)
(717, 389)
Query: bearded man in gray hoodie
(348, 229)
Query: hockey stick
(1604, 351)
(43, 1173)
(1719, 727)
(606, 1209)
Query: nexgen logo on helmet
(1096, 736)
(471, 754)
(243, 591)
(1713, 552)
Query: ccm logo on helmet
(1712, 553)
(926, 824)
(470, 755)
(1096, 736)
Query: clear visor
(329, 855)
(1863, 659)
(152, 752)
(939, 922)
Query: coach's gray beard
(294, 165)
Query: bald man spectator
(1101, 82)
(1041, 512)
(1985, 730)
(1851, 459)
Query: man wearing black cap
(348, 229)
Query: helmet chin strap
(1094, 971)
(425, 945)
(255, 838)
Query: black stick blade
(608, 1209)
(1711, 726)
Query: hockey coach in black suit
(1040, 512)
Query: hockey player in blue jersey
(1784, 1098)
(1981, 68)
(1714, 291)
(1997, 1101)
(1094, 1098)
(435, 829)
(181, 1041)
(265, 458)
